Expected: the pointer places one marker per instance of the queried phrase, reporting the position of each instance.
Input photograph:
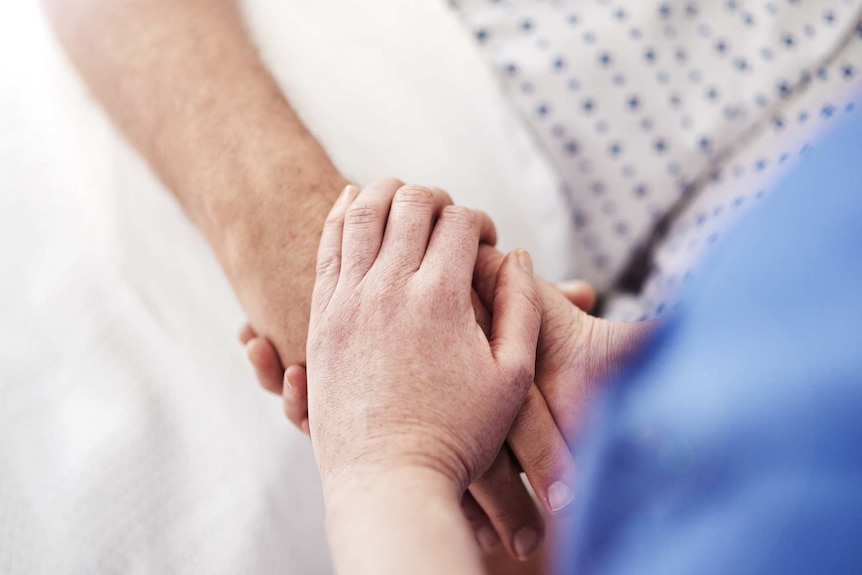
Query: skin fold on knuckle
(487, 227)
(362, 216)
(414, 197)
(459, 217)
(328, 261)
(539, 458)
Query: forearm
(182, 80)
(401, 521)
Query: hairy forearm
(183, 81)
(399, 521)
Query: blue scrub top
(733, 445)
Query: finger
(488, 264)
(329, 253)
(267, 365)
(541, 449)
(483, 317)
(246, 333)
(490, 238)
(454, 243)
(505, 500)
(296, 397)
(486, 535)
(364, 225)
(517, 317)
(580, 293)
(411, 218)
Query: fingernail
(526, 542)
(348, 190)
(559, 495)
(288, 388)
(487, 538)
(525, 261)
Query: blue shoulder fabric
(734, 444)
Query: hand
(401, 375)
(498, 507)
(506, 513)
(575, 353)
(291, 383)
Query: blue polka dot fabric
(666, 120)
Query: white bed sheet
(132, 437)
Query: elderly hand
(400, 372)
(498, 507)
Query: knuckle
(443, 194)
(542, 461)
(328, 261)
(362, 215)
(489, 229)
(413, 195)
(333, 227)
(459, 216)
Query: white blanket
(132, 437)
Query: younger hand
(575, 352)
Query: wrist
(349, 489)
(387, 498)
(411, 452)
(398, 520)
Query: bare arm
(183, 81)
(401, 520)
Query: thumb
(517, 317)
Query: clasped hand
(407, 367)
